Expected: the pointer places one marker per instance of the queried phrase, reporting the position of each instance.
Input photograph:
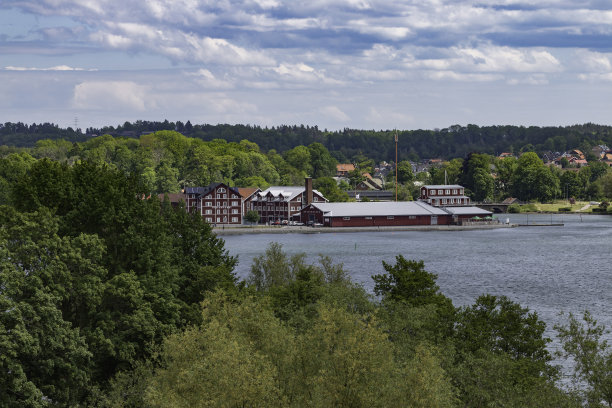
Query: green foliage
(584, 341)
(408, 281)
(514, 208)
(252, 216)
(330, 189)
(532, 180)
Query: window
(390, 217)
(447, 192)
(218, 219)
(234, 211)
(454, 191)
(412, 217)
(221, 190)
(218, 195)
(315, 199)
(208, 219)
(234, 203)
(368, 218)
(433, 192)
(440, 192)
(234, 219)
(299, 199)
(346, 218)
(444, 201)
(208, 204)
(208, 211)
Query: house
(280, 203)
(370, 184)
(443, 195)
(504, 155)
(247, 194)
(374, 214)
(217, 203)
(343, 169)
(174, 199)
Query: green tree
(252, 216)
(584, 341)
(532, 180)
(300, 158)
(323, 164)
(330, 190)
(404, 172)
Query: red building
(374, 214)
(444, 195)
(282, 203)
(217, 203)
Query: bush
(529, 208)
(598, 210)
(565, 209)
(514, 208)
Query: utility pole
(396, 165)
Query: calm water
(547, 269)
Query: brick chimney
(308, 191)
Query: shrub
(514, 208)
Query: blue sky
(367, 64)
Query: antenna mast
(396, 165)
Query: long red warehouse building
(375, 214)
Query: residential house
(343, 169)
(444, 195)
(217, 203)
(282, 203)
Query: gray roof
(443, 186)
(467, 211)
(288, 192)
(377, 208)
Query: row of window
(448, 201)
(447, 192)
(210, 219)
(234, 211)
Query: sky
(361, 64)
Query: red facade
(444, 195)
(216, 203)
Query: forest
(110, 297)
(167, 161)
(447, 143)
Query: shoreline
(319, 230)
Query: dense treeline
(447, 143)
(109, 297)
(167, 161)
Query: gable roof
(209, 188)
(345, 167)
(287, 192)
(442, 186)
(377, 208)
(246, 192)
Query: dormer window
(221, 190)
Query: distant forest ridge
(447, 143)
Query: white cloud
(55, 68)
(111, 96)
(334, 113)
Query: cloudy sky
(368, 64)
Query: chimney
(308, 191)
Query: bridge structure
(496, 208)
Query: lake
(547, 269)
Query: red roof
(246, 192)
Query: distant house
(280, 203)
(504, 155)
(343, 169)
(370, 184)
(217, 203)
(174, 199)
(444, 195)
(247, 194)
